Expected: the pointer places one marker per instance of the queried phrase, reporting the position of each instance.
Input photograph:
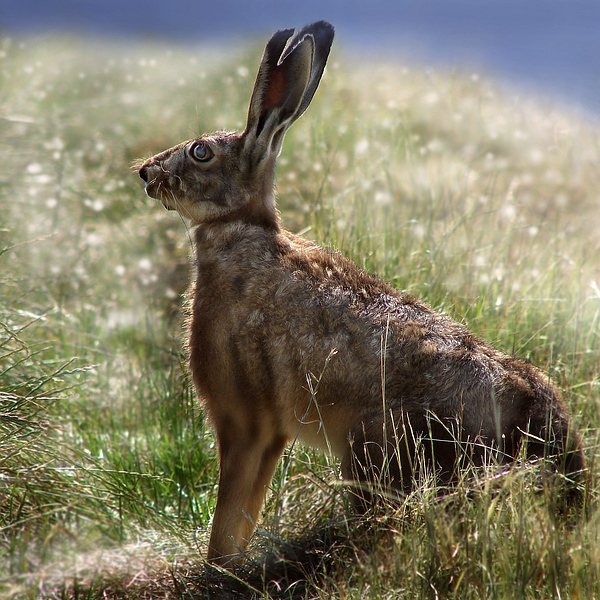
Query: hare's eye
(201, 151)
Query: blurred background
(547, 47)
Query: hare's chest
(226, 335)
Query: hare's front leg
(247, 463)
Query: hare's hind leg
(379, 459)
(385, 456)
(247, 464)
(557, 440)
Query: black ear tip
(324, 26)
(284, 33)
(320, 30)
(320, 33)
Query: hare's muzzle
(152, 180)
(143, 172)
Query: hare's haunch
(401, 388)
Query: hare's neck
(261, 216)
(233, 242)
(260, 212)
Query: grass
(441, 182)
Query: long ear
(287, 79)
(322, 34)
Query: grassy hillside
(484, 206)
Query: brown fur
(292, 341)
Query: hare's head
(225, 176)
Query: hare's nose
(144, 173)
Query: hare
(289, 340)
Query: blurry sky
(547, 46)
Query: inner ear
(275, 90)
(284, 91)
(279, 89)
(273, 98)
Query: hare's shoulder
(327, 268)
(341, 284)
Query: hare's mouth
(153, 189)
(157, 184)
(156, 189)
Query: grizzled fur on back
(289, 340)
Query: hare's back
(387, 343)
